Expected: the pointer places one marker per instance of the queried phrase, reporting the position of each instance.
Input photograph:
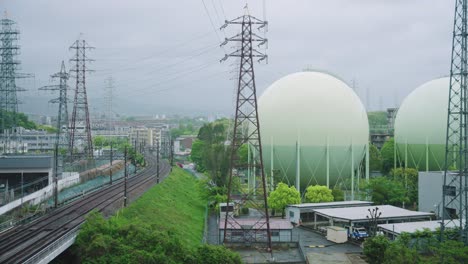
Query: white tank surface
(421, 126)
(317, 112)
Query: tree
(244, 154)
(400, 252)
(338, 195)
(99, 141)
(10, 118)
(409, 178)
(318, 193)
(211, 254)
(375, 159)
(377, 119)
(374, 249)
(210, 153)
(387, 154)
(452, 251)
(386, 191)
(198, 148)
(282, 196)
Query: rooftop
(256, 223)
(25, 162)
(359, 214)
(411, 227)
(330, 204)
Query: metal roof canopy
(329, 204)
(411, 227)
(25, 162)
(359, 214)
(281, 224)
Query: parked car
(357, 233)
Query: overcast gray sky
(164, 55)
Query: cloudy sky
(164, 55)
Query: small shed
(337, 234)
(305, 211)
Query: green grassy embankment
(165, 225)
(174, 205)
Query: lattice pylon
(80, 126)
(255, 229)
(455, 188)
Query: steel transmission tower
(62, 137)
(80, 127)
(109, 96)
(455, 188)
(9, 49)
(247, 131)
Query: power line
(203, 50)
(212, 24)
(178, 73)
(175, 78)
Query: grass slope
(174, 204)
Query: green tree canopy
(384, 190)
(198, 148)
(338, 194)
(210, 153)
(375, 159)
(377, 118)
(387, 154)
(409, 178)
(318, 194)
(21, 119)
(282, 196)
(374, 249)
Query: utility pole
(455, 188)
(80, 114)
(56, 175)
(172, 153)
(134, 158)
(111, 159)
(62, 136)
(157, 161)
(246, 116)
(125, 177)
(109, 98)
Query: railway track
(21, 243)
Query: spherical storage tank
(421, 126)
(317, 112)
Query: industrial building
(308, 138)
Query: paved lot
(309, 238)
(315, 246)
(319, 250)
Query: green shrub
(374, 249)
